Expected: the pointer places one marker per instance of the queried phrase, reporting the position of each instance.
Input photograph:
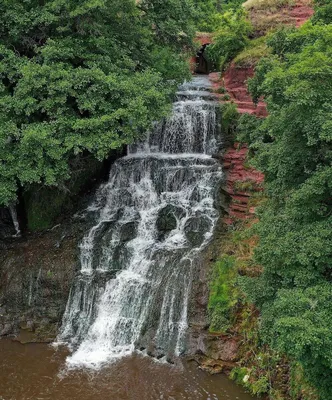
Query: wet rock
(212, 366)
(36, 278)
(8, 329)
(128, 231)
(196, 228)
(223, 348)
(167, 219)
(121, 255)
(30, 326)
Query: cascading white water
(152, 220)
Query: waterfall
(152, 220)
(13, 214)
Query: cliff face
(37, 269)
(35, 278)
(235, 82)
(242, 181)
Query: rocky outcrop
(235, 82)
(241, 182)
(36, 274)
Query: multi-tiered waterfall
(152, 220)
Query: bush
(223, 294)
(254, 51)
(323, 11)
(230, 38)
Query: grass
(268, 15)
(271, 5)
(223, 295)
(256, 50)
(264, 22)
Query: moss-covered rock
(44, 206)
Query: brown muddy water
(37, 372)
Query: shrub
(222, 293)
(230, 38)
(254, 51)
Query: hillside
(275, 261)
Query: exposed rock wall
(37, 270)
(242, 181)
(35, 279)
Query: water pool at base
(36, 372)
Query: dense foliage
(293, 148)
(230, 38)
(323, 11)
(83, 76)
(208, 12)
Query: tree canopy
(292, 146)
(83, 76)
(208, 13)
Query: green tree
(208, 13)
(230, 38)
(83, 76)
(293, 147)
(323, 11)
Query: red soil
(300, 13)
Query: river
(38, 372)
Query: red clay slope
(301, 12)
(242, 181)
(235, 81)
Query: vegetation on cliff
(230, 38)
(209, 12)
(83, 77)
(293, 149)
(288, 277)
